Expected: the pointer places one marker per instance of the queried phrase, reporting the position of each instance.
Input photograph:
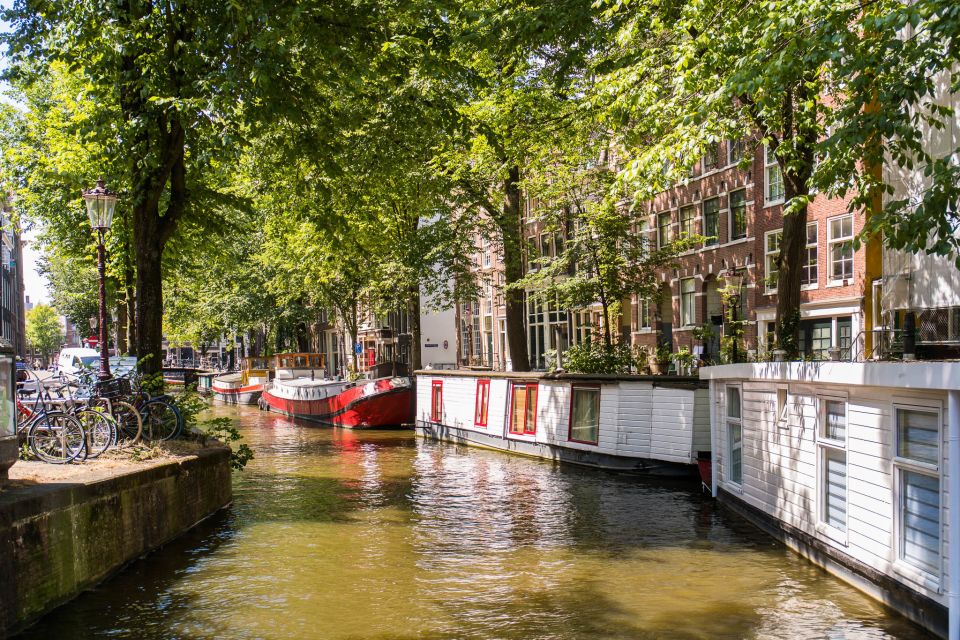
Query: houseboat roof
(570, 377)
(906, 375)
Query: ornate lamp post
(101, 204)
(734, 281)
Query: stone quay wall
(60, 538)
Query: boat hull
(242, 395)
(380, 404)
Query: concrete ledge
(908, 603)
(62, 537)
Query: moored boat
(242, 387)
(205, 382)
(377, 404)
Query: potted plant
(684, 361)
(662, 356)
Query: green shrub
(223, 430)
(595, 357)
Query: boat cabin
(290, 366)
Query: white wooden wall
(780, 468)
(637, 420)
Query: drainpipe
(714, 467)
(953, 543)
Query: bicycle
(53, 436)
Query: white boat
(242, 387)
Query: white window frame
(767, 167)
(690, 222)
(843, 239)
(691, 312)
(815, 245)
(643, 311)
(824, 445)
(913, 572)
(661, 241)
(730, 214)
(768, 256)
(730, 146)
(729, 447)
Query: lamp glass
(101, 204)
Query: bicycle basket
(113, 388)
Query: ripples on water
(336, 534)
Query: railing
(886, 344)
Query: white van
(75, 359)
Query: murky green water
(352, 535)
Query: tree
(43, 330)
(176, 86)
(832, 88)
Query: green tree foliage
(43, 329)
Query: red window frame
(573, 389)
(481, 408)
(436, 400)
(529, 425)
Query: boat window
(917, 467)
(523, 412)
(734, 436)
(436, 401)
(585, 415)
(482, 403)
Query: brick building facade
(740, 212)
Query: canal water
(378, 535)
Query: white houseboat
(850, 465)
(647, 424)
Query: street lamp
(734, 280)
(101, 204)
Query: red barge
(377, 404)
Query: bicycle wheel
(129, 422)
(100, 428)
(162, 420)
(57, 437)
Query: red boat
(378, 404)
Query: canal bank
(67, 528)
(340, 534)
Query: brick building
(740, 211)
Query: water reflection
(341, 534)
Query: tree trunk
(510, 224)
(121, 328)
(149, 289)
(413, 310)
(793, 243)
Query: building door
(666, 317)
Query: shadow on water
(379, 535)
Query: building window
(482, 403)
(917, 466)
(738, 214)
(774, 177)
(585, 415)
(735, 151)
(809, 274)
(545, 245)
(663, 230)
(643, 233)
(436, 401)
(771, 253)
(711, 157)
(643, 315)
(840, 241)
(734, 436)
(523, 409)
(687, 226)
(688, 296)
(711, 228)
(832, 446)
